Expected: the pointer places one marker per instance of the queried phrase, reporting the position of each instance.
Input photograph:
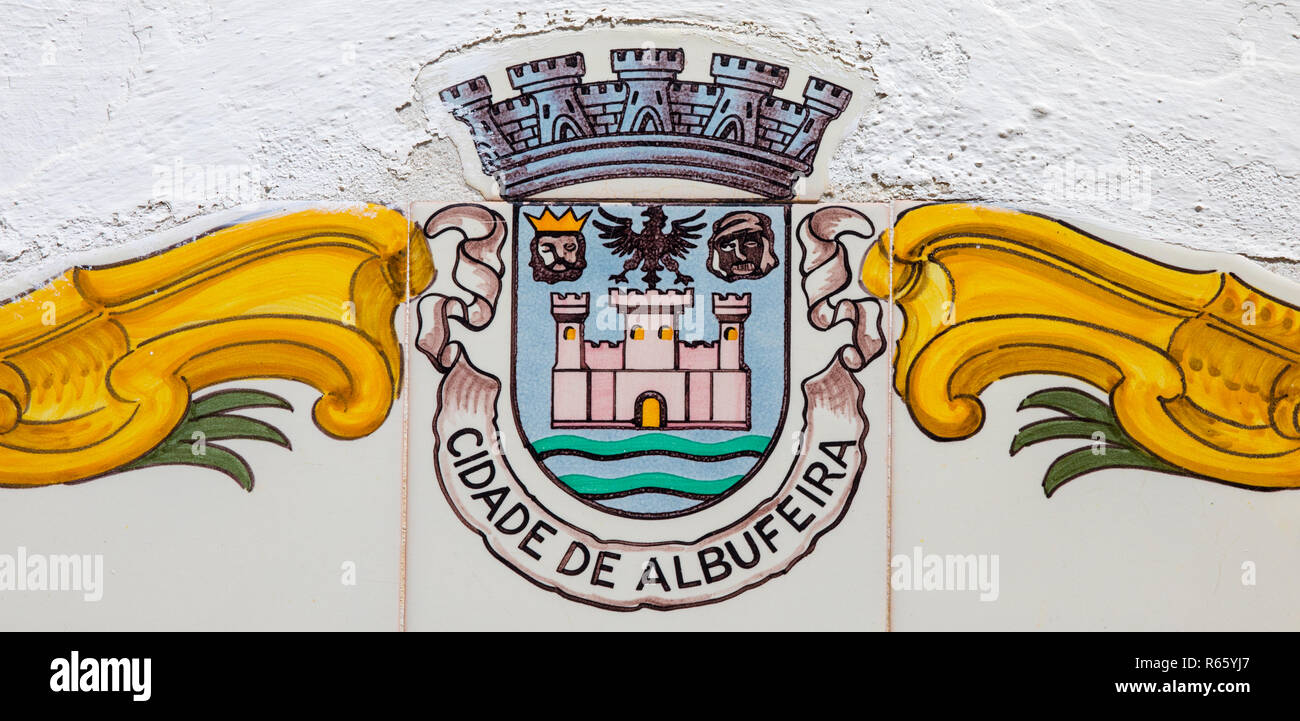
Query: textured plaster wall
(1174, 120)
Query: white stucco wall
(1185, 110)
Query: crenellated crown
(561, 130)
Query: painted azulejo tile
(652, 114)
(143, 393)
(646, 383)
(1083, 421)
(647, 405)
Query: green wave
(594, 485)
(650, 443)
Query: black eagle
(652, 248)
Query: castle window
(665, 333)
(546, 111)
(730, 334)
(570, 333)
(638, 333)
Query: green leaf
(235, 399)
(1072, 402)
(1087, 415)
(225, 428)
(210, 416)
(1084, 460)
(1053, 429)
(212, 457)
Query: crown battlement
(560, 130)
(631, 64)
(666, 300)
(751, 74)
(514, 109)
(471, 91)
(603, 92)
(547, 73)
(826, 96)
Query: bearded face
(558, 257)
(742, 247)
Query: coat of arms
(649, 402)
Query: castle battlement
(514, 109)
(655, 300)
(570, 307)
(732, 70)
(603, 92)
(832, 98)
(733, 131)
(647, 63)
(547, 73)
(470, 91)
(731, 307)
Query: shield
(651, 351)
(621, 413)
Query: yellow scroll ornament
(1201, 367)
(99, 365)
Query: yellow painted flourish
(1200, 366)
(98, 365)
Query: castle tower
(744, 83)
(570, 313)
(824, 102)
(647, 74)
(651, 326)
(471, 103)
(732, 311)
(516, 118)
(553, 84)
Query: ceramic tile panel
(655, 383)
(1083, 425)
(203, 431)
(663, 408)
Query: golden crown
(548, 222)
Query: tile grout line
(889, 432)
(406, 438)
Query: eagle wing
(680, 234)
(618, 232)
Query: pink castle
(650, 379)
